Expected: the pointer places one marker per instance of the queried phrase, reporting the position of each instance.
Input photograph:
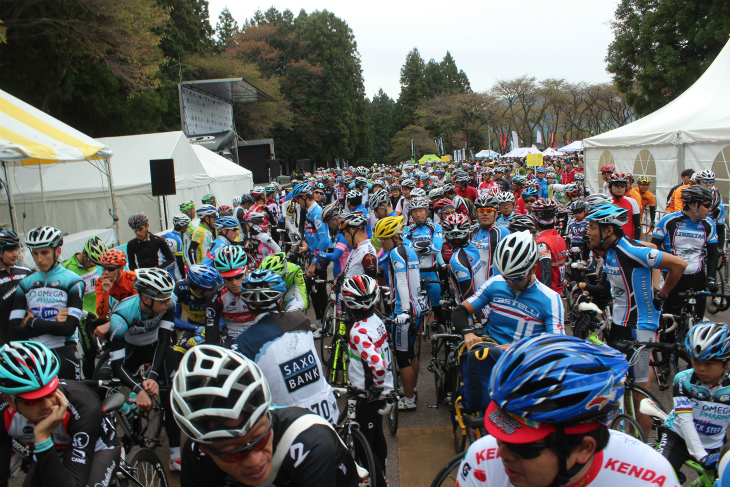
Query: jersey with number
(513, 316)
(709, 408)
(628, 265)
(282, 345)
(174, 240)
(486, 240)
(403, 261)
(44, 294)
(686, 239)
(625, 462)
(370, 355)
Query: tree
(413, 89)
(402, 143)
(381, 119)
(226, 28)
(661, 47)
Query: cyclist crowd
(209, 320)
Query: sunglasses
(319, 192)
(35, 402)
(707, 181)
(139, 229)
(166, 300)
(707, 205)
(619, 185)
(530, 200)
(109, 269)
(486, 210)
(238, 454)
(515, 281)
(526, 451)
(233, 278)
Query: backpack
(475, 370)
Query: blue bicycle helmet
(247, 198)
(559, 379)
(203, 276)
(605, 214)
(302, 189)
(230, 260)
(262, 289)
(530, 191)
(28, 369)
(708, 341)
(206, 210)
(226, 223)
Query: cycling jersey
(634, 194)
(625, 461)
(647, 199)
(215, 245)
(486, 240)
(176, 244)
(370, 355)
(362, 260)
(428, 233)
(551, 246)
(282, 345)
(9, 280)
(316, 232)
(44, 294)
(193, 305)
(339, 256)
(542, 184)
(223, 305)
(200, 243)
(632, 207)
(295, 298)
(628, 265)
(89, 276)
(485, 186)
(263, 245)
(468, 271)
(406, 281)
(152, 252)
(122, 289)
(701, 413)
(79, 442)
(576, 233)
(131, 326)
(364, 210)
(686, 239)
(503, 221)
(274, 210)
(316, 457)
(513, 316)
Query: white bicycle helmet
(360, 292)
(152, 281)
(180, 220)
(598, 199)
(504, 197)
(436, 193)
(704, 174)
(380, 197)
(708, 341)
(354, 194)
(44, 237)
(418, 202)
(515, 255)
(214, 385)
(237, 201)
(418, 192)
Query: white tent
(522, 152)
(75, 195)
(553, 153)
(693, 131)
(574, 146)
(486, 153)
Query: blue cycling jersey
(217, 244)
(174, 240)
(576, 232)
(534, 311)
(543, 188)
(44, 294)
(504, 222)
(363, 209)
(686, 239)
(486, 240)
(404, 268)
(628, 266)
(431, 234)
(468, 270)
(316, 232)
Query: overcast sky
(489, 40)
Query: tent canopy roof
(232, 90)
(702, 113)
(430, 158)
(29, 136)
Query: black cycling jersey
(8, 282)
(153, 252)
(80, 441)
(316, 458)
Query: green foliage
(661, 47)
(381, 119)
(226, 28)
(422, 139)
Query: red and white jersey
(485, 187)
(370, 355)
(625, 462)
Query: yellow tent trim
(37, 150)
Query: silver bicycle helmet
(44, 237)
(515, 256)
(153, 282)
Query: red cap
(42, 392)
(232, 272)
(511, 428)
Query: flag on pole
(539, 137)
(552, 138)
(413, 152)
(515, 140)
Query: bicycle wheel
(447, 476)
(146, 466)
(336, 366)
(438, 366)
(628, 425)
(328, 325)
(716, 305)
(363, 455)
(148, 425)
(393, 414)
(103, 369)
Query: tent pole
(114, 215)
(43, 192)
(11, 203)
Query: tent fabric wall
(77, 200)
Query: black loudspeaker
(255, 158)
(162, 176)
(304, 165)
(275, 166)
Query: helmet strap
(565, 473)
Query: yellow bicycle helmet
(389, 226)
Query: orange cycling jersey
(647, 199)
(121, 289)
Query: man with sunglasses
(60, 424)
(516, 303)
(147, 249)
(141, 333)
(115, 283)
(487, 236)
(691, 235)
(618, 183)
(237, 438)
(552, 399)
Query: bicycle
(143, 468)
(717, 304)
(395, 372)
(443, 363)
(591, 322)
(335, 354)
(349, 431)
(447, 476)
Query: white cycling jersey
(625, 462)
(354, 265)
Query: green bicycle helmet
(28, 369)
(94, 248)
(275, 262)
(208, 199)
(230, 260)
